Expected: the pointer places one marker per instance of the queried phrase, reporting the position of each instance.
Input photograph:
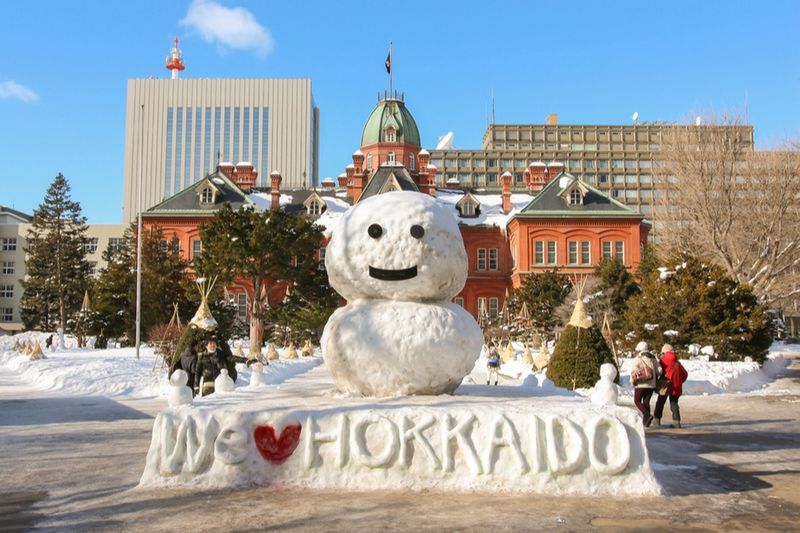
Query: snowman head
(179, 378)
(399, 245)
(608, 372)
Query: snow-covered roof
(358, 152)
(491, 207)
(424, 152)
(244, 163)
(538, 164)
(263, 200)
(226, 164)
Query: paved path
(72, 463)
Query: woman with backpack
(643, 377)
(670, 386)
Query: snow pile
(715, 377)
(116, 372)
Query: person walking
(493, 364)
(644, 375)
(670, 386)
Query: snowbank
(116, 372)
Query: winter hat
(667, 348)
(642, 347)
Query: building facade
(617, 159)
(14, 228)
(178, 130)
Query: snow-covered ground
(116, 372)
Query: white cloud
(12, 89)
(229, 27)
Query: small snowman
(398, 259)
(223, 383)
(605, 391)
(256, 376)
(179, 393)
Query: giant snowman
(398, 259)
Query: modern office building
(178, 130)
(14, 228)
(617, 159)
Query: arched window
(390, 135)
(314, 209)
(207, 196)
(575, 197)
(369, 161)
(411, 161)
(390, 158)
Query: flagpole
(390, 69)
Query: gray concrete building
(178, 130)
(618, 159)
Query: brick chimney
(358, 161)
(328, 184)
(342, 179)
(244, 176)
(536, 176)
(275, 189)
(554, 169)
(226, 168)
(505, 182)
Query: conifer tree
(163, 273)
(616, 286)
(114, 292)
(58, 273)
(542, 294)
(696, 301)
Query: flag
(389, 63)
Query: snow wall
(591, 450)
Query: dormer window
(468, 209)
(411, 161)
(468, 206)
(390, 134)
(390, 158)
(314, 208)
(369, 161)
(207, 196)
(575, 197)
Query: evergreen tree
(113, 311)
(649, 262)
(58, 273)
(163, 273)
(616, 286)
(543, 293)
(271, 250)
(577, 358)
(698, 302)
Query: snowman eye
(375, 231)
(417, 231)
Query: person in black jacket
(209, 363)
(187, 361)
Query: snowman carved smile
(393, 275)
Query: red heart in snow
(277, 450)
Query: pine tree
(577, 358)
(163, 273)
(113, 311)
(58, 273)
(543, 293)
(698, 302)
(616, 286)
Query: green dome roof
(390, 112)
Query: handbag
(663, 386)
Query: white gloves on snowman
(398, 258)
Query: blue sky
(64, 67)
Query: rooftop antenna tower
(175, 61)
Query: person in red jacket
(674, 374)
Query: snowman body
(605, 391)
(398, 258)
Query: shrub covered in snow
(578, 356)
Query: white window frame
(619, 250)
(607, 250)
(494, 307)
(481, 260)
(574, 197)
(411, 162)
(586, 255)
(241, 307)
(551, 258)
(197, 247)
(7, 291)
(468, 209)
(314, 209)
(391, 135)
(459, 300)
(322, 251)
(494, 259)
(6, 314)
(390, 158)
(538, 252)
(207, 196)
(8, 267)
(369, 161)
(8, 244)
(572, 252)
